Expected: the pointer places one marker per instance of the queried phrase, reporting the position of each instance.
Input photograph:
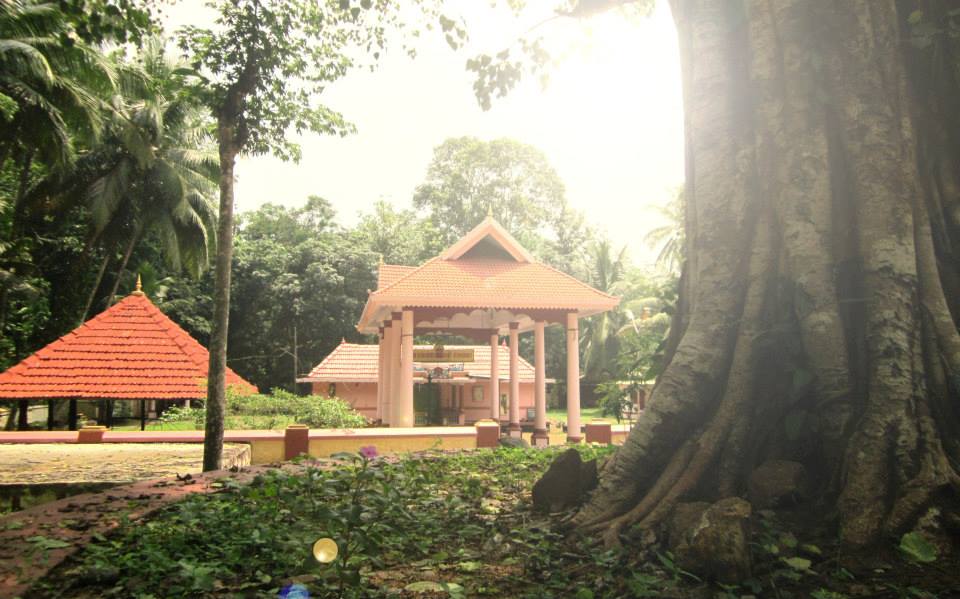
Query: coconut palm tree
(54, 89)
(154, 172)
(669, 237)
(164, 181)
(599, 343)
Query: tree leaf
(800, 564)
(918, 548)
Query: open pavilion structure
(483, 287)
(130, 351)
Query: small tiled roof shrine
(130, 351)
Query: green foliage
(263, 66)
(917, 548)
(433, 511)
(469, 177)
(295, 272)
(273, 411)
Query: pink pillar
(405, 394)
(386, 410)
(381, 352)
(395, 370)
(540, 437)
(573, 379)
(495, 376)
(514, 379)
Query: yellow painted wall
(321, 448)
(264, 451)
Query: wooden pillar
(495, 377)
(143, 414)
(515, 430)
(51, 414)
(405, 407)
(72, 419)
(23, 415)
(381, 351)
(540, 437)
(573, 379)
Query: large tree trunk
(814, 284)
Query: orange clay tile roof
(355, 363)
(467, 276)
(390, 273)
(130, 351)
(491, 283)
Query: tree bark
(131, 245)
(216, 377)
(96, 285)
(817, 250)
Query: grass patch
(585, 415)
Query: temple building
(450, 383)
(484, 287)
(130, 352)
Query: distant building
(484, 287)
(451, 384)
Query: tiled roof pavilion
(130, 351)
(484, 286)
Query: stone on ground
(565, 483)
(711, 541)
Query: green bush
(312, 410)
(274, 411)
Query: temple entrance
(426, 404)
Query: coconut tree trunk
(814, 288)
(127, 252)
(96, 285)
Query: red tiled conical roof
(130, 351)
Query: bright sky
(610, 122)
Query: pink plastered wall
(363, 398)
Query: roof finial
(139, 288)
(490, 210)
(381, 259)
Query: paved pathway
(61, 463)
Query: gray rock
(683, 521)
(565, 483)
(712, 545)
(777, 483)
(513, 442)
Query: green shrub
(183, 414)
(283, 406)
(274, 411)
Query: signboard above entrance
(441, 354)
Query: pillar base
(296, 441)
(540, 438)
(574, 439)
(488, 433)
(91, 434)
(515, 431)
